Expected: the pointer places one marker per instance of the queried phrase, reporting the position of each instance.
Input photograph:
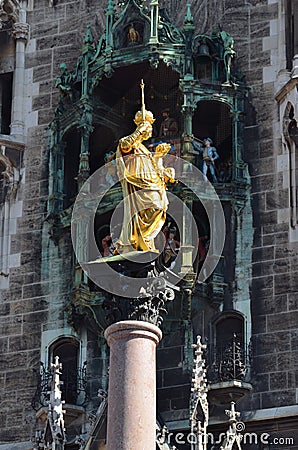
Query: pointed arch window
(74, 387)
(213, 119)
(67, 349)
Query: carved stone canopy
(9, 12)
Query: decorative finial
(89, 39)
(110, 7)
(199, 409)
(188, 18)
(232, 434)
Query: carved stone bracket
(148, 307)
(21, 31)
(83, 308)
(239, 203)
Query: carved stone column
(20, 32)
(188, 29)
(154, 6)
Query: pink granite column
(132, 385)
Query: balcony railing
(228, 361)
(74, 386)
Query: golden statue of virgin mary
(143, 179)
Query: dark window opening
(203, 227)
(72, 141)
(203, 64)
(68, 352)
(227, 357)
(5, 102)
(213, 119)
(228, 328)
(119, 97)
(291, 31)
(102, 147)
(74, 389)
(116, 102)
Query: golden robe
(143, 180)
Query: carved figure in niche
(169, 126)
(229, 53)
(62, 81)
(209, 155)
(133, 36)
(143, 179)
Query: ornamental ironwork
(73, 387)
(228, 361)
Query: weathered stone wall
(36, 298)
(274, 286)
(38, 290)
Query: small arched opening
(213, 119)
(67, 349)
(227, 354)
(71, 143)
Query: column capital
(147, 308)
(133, 329)
(21, 31)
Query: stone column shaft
(132, 385)
(21, 32)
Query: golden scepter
(142, 85)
